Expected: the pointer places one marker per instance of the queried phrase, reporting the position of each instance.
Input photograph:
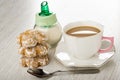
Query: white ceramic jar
(46, 22)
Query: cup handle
(111, 40)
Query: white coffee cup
(85, 47)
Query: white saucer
(69, 61)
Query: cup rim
(83, 23)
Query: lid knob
(44, 9)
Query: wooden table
(18, 15)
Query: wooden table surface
(18, 15)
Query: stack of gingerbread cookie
(33, 48)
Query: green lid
(45, 18)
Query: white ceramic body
(83, 47)
(53, 33)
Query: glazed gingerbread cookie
(34, 62)
(33, 48)
(30, 38)
(38, 50)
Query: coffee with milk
(83, 31)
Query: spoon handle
(84, 71)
